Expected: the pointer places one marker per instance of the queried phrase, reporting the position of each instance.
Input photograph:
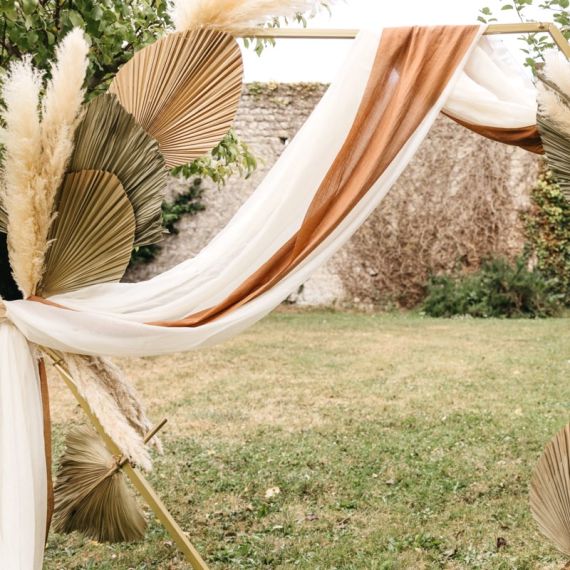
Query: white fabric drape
(110, 317)
(23, 476)
(494, 90)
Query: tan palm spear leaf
(110, 139)
(184, 91)
(557, 149)
(91, 494)
(550, 491)
(93, 233)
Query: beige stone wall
(458, 202)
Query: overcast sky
(318, 60)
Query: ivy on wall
(547, 226)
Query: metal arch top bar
(348, 34)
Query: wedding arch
(82, 185)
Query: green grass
(395, 442)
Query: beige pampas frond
(37, 152)
(554, 117)
(235, 15)
(557, 69)
(115, 404)
(23, 188)
(554, 91)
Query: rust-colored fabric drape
(412, 68)
(47, 441)
(527, 138)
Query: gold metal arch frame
(346, 34)
(136, 477)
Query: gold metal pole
(136, 477)
(349, 34)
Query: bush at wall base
(499, 289)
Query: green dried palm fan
(91, 494)
(109, 138)
(93, 233)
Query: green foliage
(187, 203)
(232, 156)
(547, 227)
(115, 29)
(536, 44)
(259, 45)
(499, 289)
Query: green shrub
(547, 228)
(499, 289)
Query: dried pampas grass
(554, 117)
(235, 15)
(554, 90)
(37, 152)
(115, 404)
(23, 187)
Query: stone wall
(458, 202)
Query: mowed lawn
(324, 440)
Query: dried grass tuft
(235, 15)
(115, 403)
(38, 149)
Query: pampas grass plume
(234, 15)
(552, 107)
(22, 183)
(557, 70)
(37, 152)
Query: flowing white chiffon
(23, 476)
(110, 319)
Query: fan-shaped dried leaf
(92, 235)
(110, 139)
(550, 491)
(184, 90)
(91, 496)
(557, 149)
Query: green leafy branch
(535, 44)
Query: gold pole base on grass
(137, 479)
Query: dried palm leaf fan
(93, 234)
(91, 494)
(184, 91)
(110, 139)
(550, 491)
(554, 117)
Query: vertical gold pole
(136, 477)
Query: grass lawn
(321, 440)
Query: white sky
(318, 60)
